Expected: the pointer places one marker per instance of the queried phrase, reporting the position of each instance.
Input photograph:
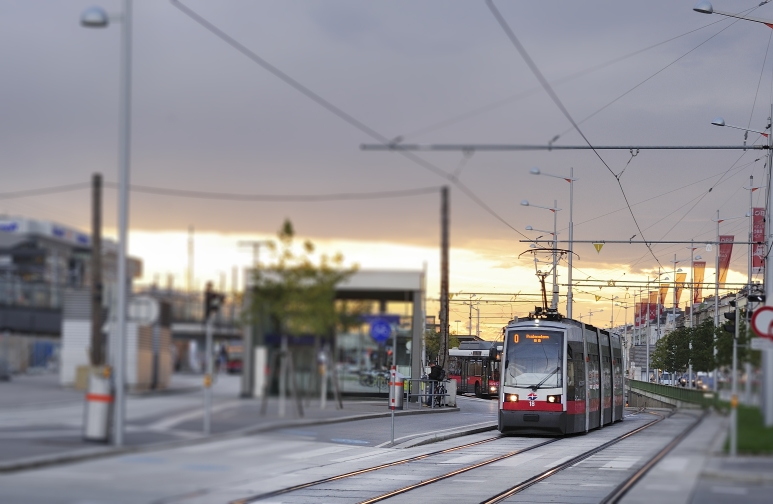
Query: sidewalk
(698, 471)
(50, 432)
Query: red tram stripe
(523, 405)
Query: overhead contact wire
(553, 96)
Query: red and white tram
(559, 376)
(474, 365)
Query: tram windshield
(534, 359)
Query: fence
(705, 399)
(29, 353)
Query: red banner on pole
(663, 293)
(653, 305)
(680, 278)
(758, 237)
(638, 315)
(725, 251)
(698, 270)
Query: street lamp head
(698, 258)
(534, 171)
(704, 8)
(94, 17)
(718, 121)
(529, 228)
(525, 202)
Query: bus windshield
(534, 359)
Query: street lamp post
(95, 17)
(715, 385)
(624, 306)
(555, 210)
(571, 180)
(767, 365)
(693, 258)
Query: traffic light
(729, 326)
(756, 298)
(212, 301)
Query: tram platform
(49, 432)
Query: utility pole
(97, 346)
(443, 353)
(255, 353)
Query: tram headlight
(554, 398)
(493, 388)
(512, 397)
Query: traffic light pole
(208, 377)
(734, 397)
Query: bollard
(99, 406)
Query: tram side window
(579, 377)
(607, 374)
(569, 373)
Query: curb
(425, 440)
(100, 452)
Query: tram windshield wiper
(537, 386)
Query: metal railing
(422, 387)
(705, 398)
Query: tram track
(498, 497)
(302, 486)
(521, 486)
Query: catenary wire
(495, 104)
(653, 75)
(549, 90)
(337, 111)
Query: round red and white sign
(762, 321)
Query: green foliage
(753, 437)
(432, 344)
(702, 338)
(295, 296)
(672, 352)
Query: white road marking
(729, 490)
(169, 422)
(621, 463)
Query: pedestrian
(435, 374)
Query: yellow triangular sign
(597, 297)
(598, 246)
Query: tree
(703, 337)
(672, 352)
(295, 296)
(432, 344)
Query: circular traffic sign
(762, 321)
(380, 330)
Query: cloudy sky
(207, 118)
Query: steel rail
(350, 474)
(579, 458)
(462, 470)
(435, 479)
(623, 488)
